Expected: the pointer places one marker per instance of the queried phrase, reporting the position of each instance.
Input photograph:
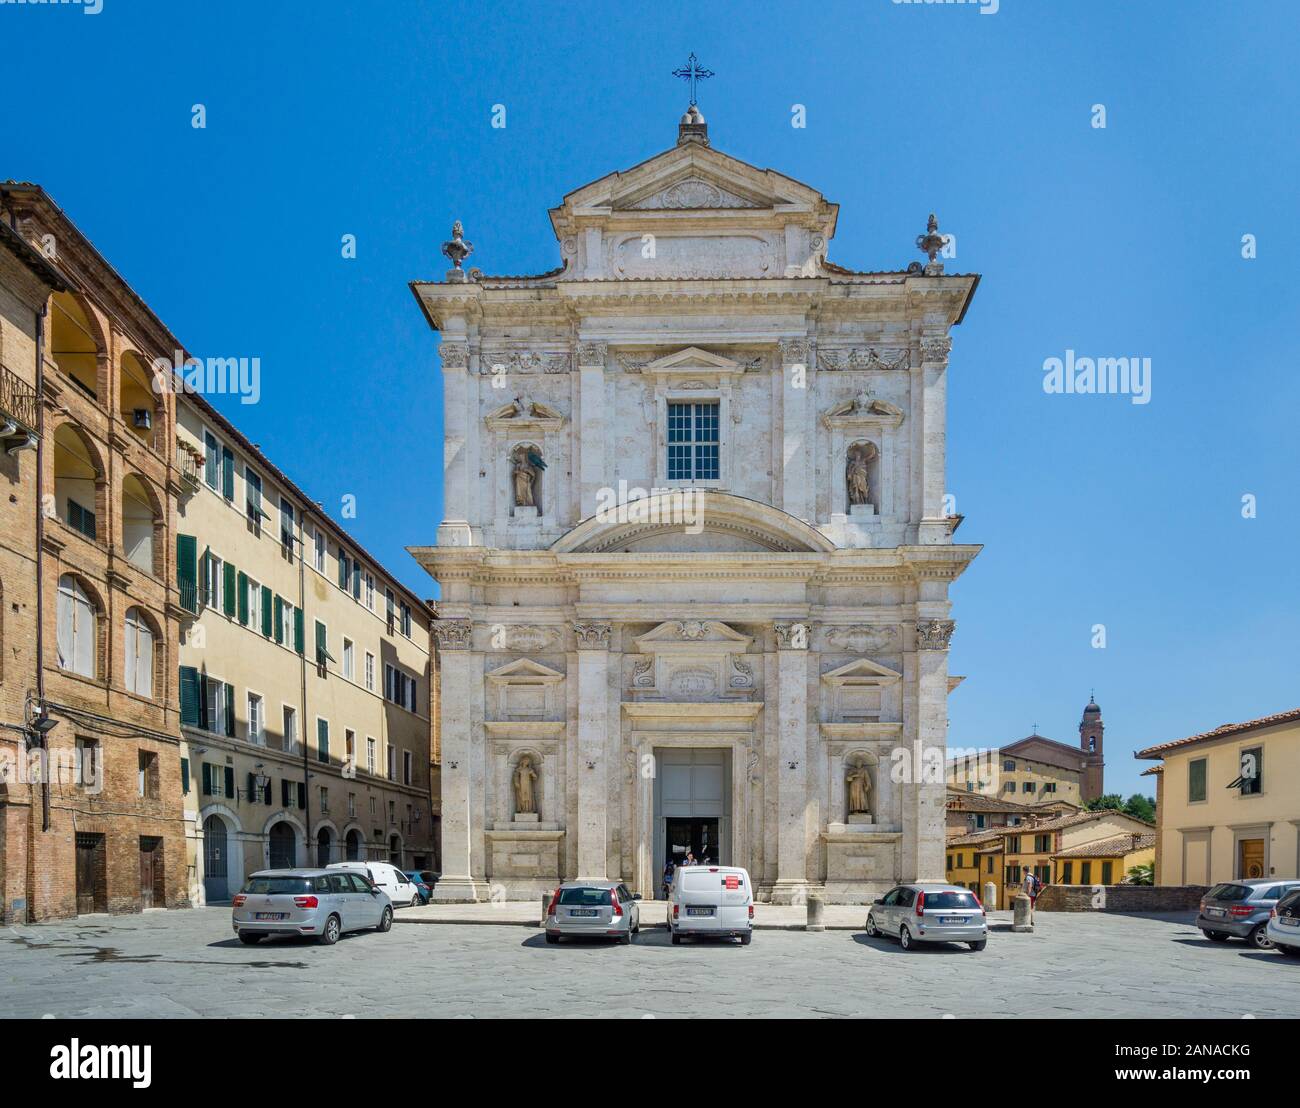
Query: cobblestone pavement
(187, 963)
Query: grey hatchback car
(320, 902)
(594, 910)
(929, 912)
(1241, 908)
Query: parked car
(424, 881)
(401, 890)
(593, 909)
(317, 902)
(1283, 928)
(1241, 908)
(715, 902)
(929, 913)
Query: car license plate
(1289, 921)
(270, 915)
(582, 911)
(699, 911)
(952, 919)
(1215, 912)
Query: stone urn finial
(457, 249)
(930, 244)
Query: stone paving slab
(182, 964)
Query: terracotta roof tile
(1222, 731)
(1114, 847)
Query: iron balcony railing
(17, 399)
(188, 463)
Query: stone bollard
(990, 896)
(546, 903)
(816, 914)
(1021, 920)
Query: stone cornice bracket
(592, 634)
(935, 350)
(453, 634)
(795, 351)
(934, 634)
(454, 355)
(592, 354)
(792, 635)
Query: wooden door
(1251, 858)
(92, 884)
(146, 873)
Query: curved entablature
(692, 521)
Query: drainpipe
(309, 846)
(40, 550)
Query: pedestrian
(689, 860)
(668, 877)
(1032, 886)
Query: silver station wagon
(318, 902)
(594, 910)
(929, 913)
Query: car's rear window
(1290, 900)
(950, 900)
(1229, 891)
(278, 886)
(587, 897)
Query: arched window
(76, 627)
(139, 653)
(78, 482)
(138, 523)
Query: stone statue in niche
(858, 472)
(525, 790)
(858, 782)
(525, 474)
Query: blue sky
(325, 119)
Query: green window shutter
(185, 777)
(323, 740)
(227, 473)
(285, 785)
(279, 620)
(187, 571)
(266, 611)
(230, 782)
(243, 597)
(228, 590)
(230, 716)
(297, 630)
(302, 795)
(190, 696)
(343, 569)
(207, 779)
(322, 647)
(253, 798)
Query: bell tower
(1091, 730)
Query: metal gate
(216, 886)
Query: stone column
(792, 762)
(924, 795)
(934, 437)
(796, 429)
(593, 725)
(454, 530)
(592, 426)
(461, 667)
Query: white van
(401, 889)
(711, 902)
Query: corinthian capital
(933, 634)
(455, 355)
(935, 349)
(792, 635)
(592, 353)
(453, 634)
(592, 634)
(795, 351)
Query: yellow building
(967, 866)
(306, 676)
(1104, 861)
(970, 813)
(1228, 802)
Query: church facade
(696, 554)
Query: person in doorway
(668, 877)
(689, 860)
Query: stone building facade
(102, 828)
(696, 551)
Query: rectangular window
(322, 645)
(693, 441)
(322, 740)
(1196, 780)
(1027, 787)
(285, 634)
(352, 805)
(408, 767)
(148, 775)
(1013, 844)
(356, 581)
(290, 729)
(213, 570)
(1067, 873)
(286, 528)
(1042, 844)
(218, 717)
(255, 719)
(350, 747)
(406, 620)
(88, 763)
(318, 549)
(324, 800)
(1107, 871)
(370, 671)
(253, 499)
(392, 762)
(81, 519)
(349, 660)
(1085, 873)
(344, 570)
(370, 591)
(211, 460)
(392, 812)
(370, 756)
(1252, 771)
(390, 608)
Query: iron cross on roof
(693, 72)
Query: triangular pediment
(695, 359)
(692, 634)
(863, 670)
(525, 669)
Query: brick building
(98, 826)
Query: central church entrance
(692, 806)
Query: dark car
(424, 880)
